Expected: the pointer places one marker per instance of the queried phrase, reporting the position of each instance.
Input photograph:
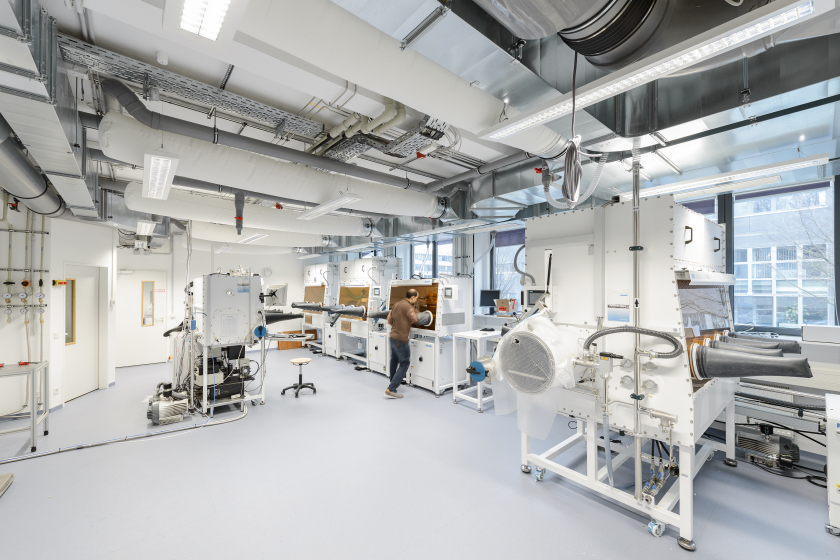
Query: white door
(141, 308)
(81, 331)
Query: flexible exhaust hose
(787, 346)
(678, 349)
(752, 343)
(307, 306)
(522, 272)
(272, 317)
(379, 314)
(206, 424)
(777, 402)
(745, 349)
(713, 362)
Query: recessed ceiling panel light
(145, 228)
(158, 171)
(327, 207)
(204, 17)
(252, 238)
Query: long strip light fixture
(743, 174)
(758, 23)
(494, 227)
(252, 238)
(158, 171)
(311, 255)
(730, 187)
(352, 248)
(204, 17)
(327, 207)
(447, 229)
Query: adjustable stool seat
(300, 362)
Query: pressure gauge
(40, 295)
(23, 310)
(7, 311)
(266, 272)
(23, 295)
(7, 295)
(40, 310)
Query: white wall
(74, 243)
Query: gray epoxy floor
(349, 474)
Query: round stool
(300, 362)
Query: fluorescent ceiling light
(221, 248)
(326, 207)
(145, 228)
(667, 162)
(252, 238)
(312, 256)
(446, 229)
(494, 227)
(158, 172)
(395, 244)
(356, 247)
(204, 17)
(729, 187)
(750, 173)
(758, 23)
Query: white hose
(563, 205)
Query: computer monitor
(487, 297)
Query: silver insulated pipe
(21, 181)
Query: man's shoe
(392, 394)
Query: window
(505, 277)
(761, 254)
(707, 207)
(788, 234)
(422, 260)
(444, 258)
(70, 312)
(147, 311)
(786, 253)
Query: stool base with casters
(300, 362)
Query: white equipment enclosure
(364, 282)
(449, 300)
(624, 379)
(320, 286)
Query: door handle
(690, 231)
(718, 242)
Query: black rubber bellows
(714, 362)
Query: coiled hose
(522, 272)
(563, 205)
(678, 349)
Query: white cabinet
(422, 364)
(330, 340)
(378, 350)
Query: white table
(481, 340)
(32, 370)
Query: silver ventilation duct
(19, 178)
(535, 19)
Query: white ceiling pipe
(396, 121)
(387, 114)
(126, 139)
(373, 59)
(187, 206)
(235, 248)
(345, 124)
(227, 234)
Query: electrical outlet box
(55, 391)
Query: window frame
(143, 302)
(71, 285)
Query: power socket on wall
(55, 391)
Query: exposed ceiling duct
(128, 140)
(18, 178)
(178, 127)
(235, 248)
(535, 19)
(410, 77)
(258, 237)
(187, 206)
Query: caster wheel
(283, 392)
(262, 403)
(253, 403)
(33, 449)
(710, 457)
(831, 530)
(46, 432)
(655, 528)
(296, 395)
(730, 462)
(687, 544)
(525, 468)
(539, 474)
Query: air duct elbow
(398, 119)
(386, 115)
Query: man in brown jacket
(401, 317)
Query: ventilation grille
(526, 362)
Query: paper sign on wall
(160, 289)
(618, 306)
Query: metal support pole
(637, 424)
